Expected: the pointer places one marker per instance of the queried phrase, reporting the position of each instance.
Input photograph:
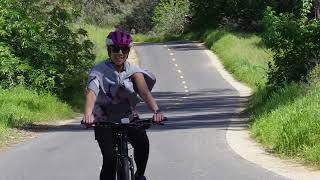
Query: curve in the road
(193, 145)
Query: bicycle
(124, 165)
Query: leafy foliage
(236, 13)
(140, 18)
(243, 15)
(11, 67)
(169, 17)
(104, 13)
(38, 48)
(295, 43)
(100, 12)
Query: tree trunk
(317, 8)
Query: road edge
(238, 138)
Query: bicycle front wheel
(123, 170)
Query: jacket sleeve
(148, 76)
(93, 84)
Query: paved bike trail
(192, 146)
(201, 105)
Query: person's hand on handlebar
(88, 119)
(158, 116)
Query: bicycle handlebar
(135, 123)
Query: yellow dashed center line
(179, 71)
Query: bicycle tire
(124, 169)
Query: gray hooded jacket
(116, 92)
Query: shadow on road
(201, 109)
(198, 109)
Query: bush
(295, 43)
(239, 14)
(101, 13)
(169, 17)
(140, 18)
(11, 67)
(39, 49)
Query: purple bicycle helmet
(119, 38)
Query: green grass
(241, 55)
(288, 121)
(98, 36)
(19, 107)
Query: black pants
(138, 139)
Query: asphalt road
(192, 145)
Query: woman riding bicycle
(112, 91)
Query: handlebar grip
(161, 123)
(83, 123)
(87, 126)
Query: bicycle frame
(124, 162)
(121, 146)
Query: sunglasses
(124, 49)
